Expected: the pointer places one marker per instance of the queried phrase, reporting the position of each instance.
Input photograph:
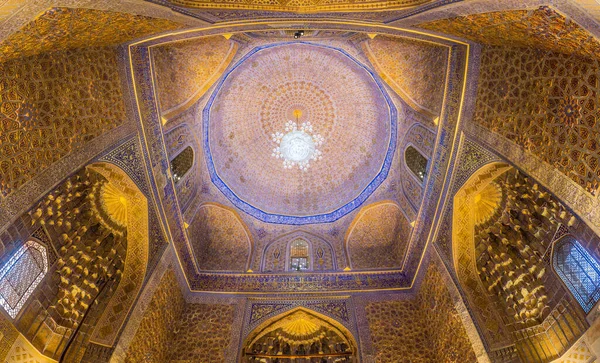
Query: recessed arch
(416, 162)
(300, 332)
(276, 254)
(127, 206)
(502, 231)
(220, 239)
(378, 237)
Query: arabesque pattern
(185, 70)
(51, 105)
(67, 28)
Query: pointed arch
(276, 254)
(130, 209)
(300, 329)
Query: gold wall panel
(65, 28)
(152, 340)
(538, 86)
(424, 329)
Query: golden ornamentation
(300, 6)
(186, 70)
(299, 332)
(66, 28)
(128, 206)
(157, 328)
(487, 202)
(115, 203)
(378, 237)
(46, 114)
(426, 328)
(541, 28)
(415, 70)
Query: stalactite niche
(514, 246)
(91, 248)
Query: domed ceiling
(352, 125)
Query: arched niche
(277, 254)
(124, 203)
(96, 223)
(220, 239)
(300, 333)
(502, 232)
(378, 237)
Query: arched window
(416, 162)
(299, 255)
(21, 275)
(182, 163)
(578, 270)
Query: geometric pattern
(260, 311)
(128, 157)
(294, 6)
(60, 29)
(220, 135)
(134, 270)
(40, 123)
(541, 92)
(415, 70)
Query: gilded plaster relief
(51, 105)
(553, 117)
(538, 86)
(203, 334)
(300, 332)
(91, 247)
(378, 237)
(152, 341)
(23, 352)
(186, 70)
(67, 28)
(299, 5)
(299, 83)
(8, 335)
(414, 69)
(126, 206)
(220, 239)
(426, 328)
(542, 28)
(504, 226)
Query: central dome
(299, 104)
